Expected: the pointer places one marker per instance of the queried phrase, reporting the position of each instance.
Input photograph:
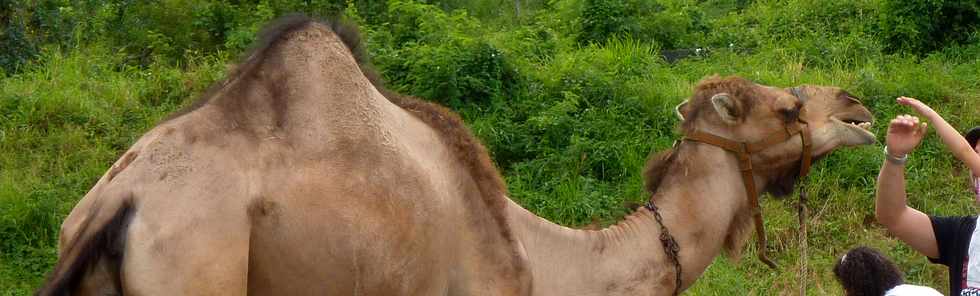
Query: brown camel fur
(300, 175)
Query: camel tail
(91, 261)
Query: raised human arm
(891, 207)
(951, 138)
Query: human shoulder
(909, 290)
(952, 235)
(957, 221)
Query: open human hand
(905, 132)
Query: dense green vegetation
(570, 96)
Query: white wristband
(899, 160)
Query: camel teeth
(863, 125)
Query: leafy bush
(16, 47)
(602, 19)
(668, 24)
(922, 26)
(429, 53)
(494, 11)
(822, 32)
(29, 24)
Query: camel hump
(294, 57)
(309, 44)
(285, 28)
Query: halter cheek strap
(743, 151)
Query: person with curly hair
(864, 271)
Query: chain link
(671, 248)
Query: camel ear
(799, 93)
(727, 107)
(681, 110)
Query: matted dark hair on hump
(864, 271)
(272, 33)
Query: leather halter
(743, 151)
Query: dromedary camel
(300, 176)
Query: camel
(301, 175)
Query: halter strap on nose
(743, 151)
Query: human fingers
(894, 123)
(907, 100)
(899, 123)
(922, 129)
(907, 120)
(916, 105)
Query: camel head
(745, 111)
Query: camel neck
(700, 199)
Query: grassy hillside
(570, 96)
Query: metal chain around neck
(671, 248)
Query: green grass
(569, 124)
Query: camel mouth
(850, 132)
(858, 127)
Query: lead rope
(803, 239)
(804, 171)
